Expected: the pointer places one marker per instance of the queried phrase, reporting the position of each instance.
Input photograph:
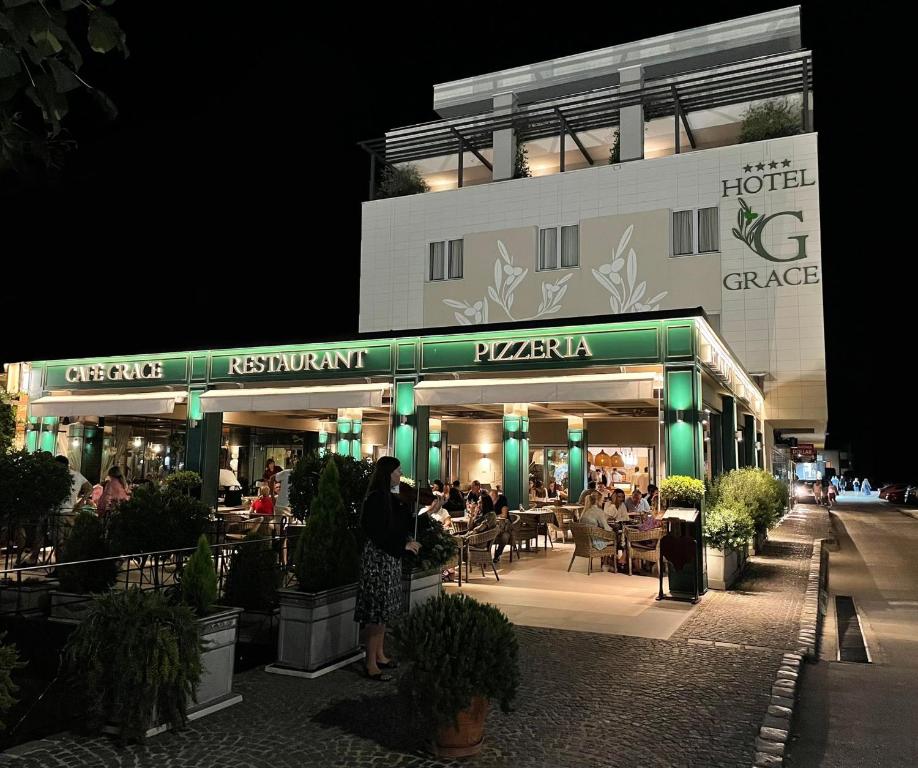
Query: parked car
(803, 490)
(911, 496)
(896, 494)
(896, 488)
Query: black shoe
(380, 677)
(391, 664)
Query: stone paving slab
(697, 699)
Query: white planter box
(723, 568)
(215, 691)
(317, 631)
(31, 597)
(419, 587)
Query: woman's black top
(386, 521)
(500, 504)
(487, 504)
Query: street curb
(775, 730)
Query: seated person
(475, 493)
(591, 488)
(536, 491)
(636, 504)
(437, 486)
(616, 509)
(264, 504)
(594, 515)
(455, 503)
(502, 512)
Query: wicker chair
(563, 521)
(583, 543)
(460, 526)
(644, 545)
(478, 551)
(525, 531)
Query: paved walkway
(586, 699)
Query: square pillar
(202, 445)
(728, 434)
(516, 453)
(748, 446)
(504, 140)
(435, 451)
(631, 119)
(577, 442)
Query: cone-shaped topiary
(86, 542)
(457, 648)
(254, 575)
(199, 580)
(326, 554)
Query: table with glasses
(541, 517)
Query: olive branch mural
(625, 294)
(747, 224)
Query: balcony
(685, 112)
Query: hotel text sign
(546, 348)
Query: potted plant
(156, 520)
(727, 529)
(218, 629)
(399, 180)
(450, 691)
(185, 481)
(353, 477)
(681, 492)
(252, 583)
(86, 542)
(422, 573)
(755, 490)
(317, 631)
(770, 120)
(135, 661)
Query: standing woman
(387, 523)
(115, 490)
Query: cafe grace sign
(150, 370)
(543, 348)
(752, 227)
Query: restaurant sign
(118, 373)
(303, 363)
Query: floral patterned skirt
(379, 596)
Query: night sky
(224, 203)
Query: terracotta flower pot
(468, 737)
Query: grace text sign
(80, 374)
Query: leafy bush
(199, 579)
(521, 162)
(755, 490)
(86, 542)
(134, 654)
(682, 491)
(157, 519)
(401, 180)
(7, 424)
(186, 482)
(254, 574)
(32, 485)
(326, 553)
(615, 152)
(438, 547)
(728, 526)
(770, 120)
(457, 648)
(353, 477)
(9, 660)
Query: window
(455, 259)
(708, 230)
(569, 251)
(687, 239)
(445, 260)
(682, 233)
(438, 261)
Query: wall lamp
(739, 435)
(758, 445)
(680, 415)
(403, 419)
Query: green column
(33, 430)
(421, 469)
(48, 441)
(91, 464)
(344, 428)
(749, 441)
(322, 444)
(435, 454)
(516, 459)
(202, 446)
(728, 433)
(404, 422)
(356, 438)
(577, 442)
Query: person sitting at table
(637, 504)
(474, 492)
(501, 511)
(615, 509)
(591, 488)
(653, 496)
(454, 503)
(264, 504)
(594, 515)
(536, 491)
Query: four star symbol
(772, 165)
(760, 167)
(785, 163)
(747, 169)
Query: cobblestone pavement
(585, 699)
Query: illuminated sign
(248, 365)
(140, 371)
(548, 348)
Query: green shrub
(456, 648)
(682, 491)
(199, 579)
(353, 477)
(615, 151)
(254, 574)
(32, 485)
(134, 654)
(9, 660)
(86, 542)
(186, 482)
(728, 526)
(157, 519)
(438, 547)
(521, 162)
(326, 554)
(770, 120)
(401, 180)
(755, 490)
